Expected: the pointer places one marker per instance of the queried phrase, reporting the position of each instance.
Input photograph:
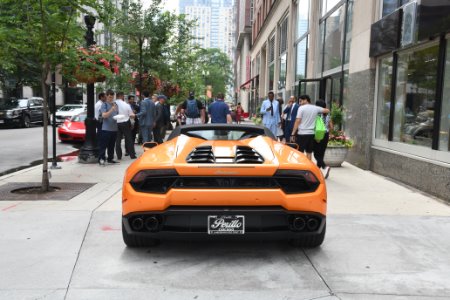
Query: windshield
(69, 107)
(221, 134)
(12, 103)
(79, 118)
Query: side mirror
(292, 145)
(149, 145)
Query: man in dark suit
(160, 121)
(290, 113)
(146, 117)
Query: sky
(170, 5)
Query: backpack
(192, 109)
(320, 129)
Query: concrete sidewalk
(384, 241)
(350, 191)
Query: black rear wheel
(133, 241)
(26, 121)
(310, 241)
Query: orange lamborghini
(221, 181)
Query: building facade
(386, 61)
(215, 23)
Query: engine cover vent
(201, 155)
(247, 155)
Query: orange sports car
(221, 181)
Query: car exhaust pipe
(312, 224)
(152, 224)
(137, 224)
(298, 224)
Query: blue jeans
(146, 134)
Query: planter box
(335, 156)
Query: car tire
(26, 122)
(133, 241)
(310, 241)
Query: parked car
(73, 130)
(21, 112)
(219, 181)
(68, 111)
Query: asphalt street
(384, 241)
(23, 146)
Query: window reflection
(415, 93)
(333, 39)
(300, 70)
(444, 133)
(302, 17)
(384, 98)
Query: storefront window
(333, 39)
(415, 93)
(302, 17)
(300, 69)
(444, 133)
(383, 98)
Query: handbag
(320, 129)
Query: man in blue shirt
(219, 111)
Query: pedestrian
(134, 122)
(280, 129)
(124, 127)
(290, 113)
(320, 147)
(219, 111)
(194, 110)
(160, 121)
(167, 124)
(146, 117)
(239, 113)
(181, 117)
(304, 125)
(98, 118)
(270, 113)
(109, 129)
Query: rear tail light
(154, 181)
(296, 181)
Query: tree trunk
(45, 178)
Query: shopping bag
(320, 129)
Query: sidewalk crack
(84, 239)
(320, 275)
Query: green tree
(38, 35)
(144, 35)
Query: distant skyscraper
(215, 26)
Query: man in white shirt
(305, 124)
(124, 127)
(98, 105)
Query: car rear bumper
(190, 223)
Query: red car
(73, 130)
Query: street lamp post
(89, 151)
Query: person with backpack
(321, 146)
(304, 125)
(193, 110)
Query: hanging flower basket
(92, 64)
(170, 89)
(146, 81)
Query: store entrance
(326, 88)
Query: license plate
(226, 224)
